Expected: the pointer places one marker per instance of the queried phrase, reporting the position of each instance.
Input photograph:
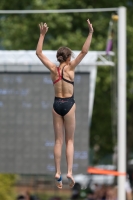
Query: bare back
(62, 88)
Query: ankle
(57, 173)
(69, 174)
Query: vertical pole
(121, 101)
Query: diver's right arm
(41, 56)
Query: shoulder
(69, 68)
(47, 63)
(54, 69)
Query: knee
(59, 142)
(69, 142)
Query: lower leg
(57, 158)
(69, 156)
(69, 138)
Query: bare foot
(70, 180)
(58, 180)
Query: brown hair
(63, 53)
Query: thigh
(58, 124)
(69, 123)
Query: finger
(45, 24)
(40, 26)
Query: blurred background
(21, 32)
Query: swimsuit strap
(60, 77)
(58, 69)
(72, 82)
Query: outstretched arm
(41, 56)
(85, 48)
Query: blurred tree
(6, 187)
(70, 29)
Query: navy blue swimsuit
(63, 105)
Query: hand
(43, 28)
(90, 26)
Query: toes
(58, 181)
(71, 181)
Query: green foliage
(6, 186)
(101, 127)
(56, 194)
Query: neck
(63, 64)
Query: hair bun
(60, 59)
(63, 53)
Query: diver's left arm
(85, 47)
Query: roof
(27, 60)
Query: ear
(68, 59)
